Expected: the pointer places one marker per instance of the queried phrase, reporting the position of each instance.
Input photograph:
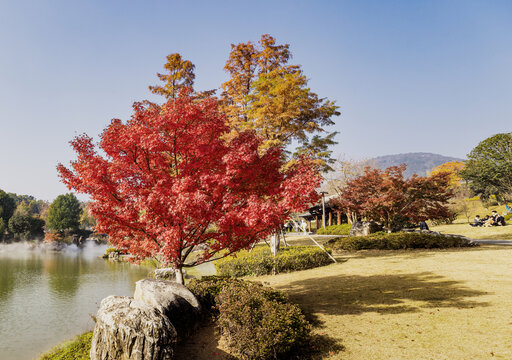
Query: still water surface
(48, 297)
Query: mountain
(417, 163)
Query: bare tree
(344, 170)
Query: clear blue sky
(409, 76)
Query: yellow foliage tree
(452, 167)
(181, 75)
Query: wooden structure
(333, 216)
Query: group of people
(494, 220)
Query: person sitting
(423, 225)
(497, 219)
(488, 221)
(477, 221)
(500, 220)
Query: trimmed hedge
(257, 322)
(397, 241)
(343, 229)
(261, 261)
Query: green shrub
(343, 229)
(207, 289)
(76, 349)
(257, 322)
(508, 217)
(261, 261)
(397, 241)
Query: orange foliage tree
(268, 95)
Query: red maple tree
(168, 184)
(386, 196)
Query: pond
(49, 297)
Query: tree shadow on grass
(384, 294)
(318, 347)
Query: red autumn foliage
(385, 196)
(169, 183)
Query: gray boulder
(114, 256)
(165, 274)
(173, 300)
(363, 228)
(130, 329)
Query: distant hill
(417, 163)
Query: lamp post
(323, 207)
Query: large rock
(173, 300)
(165, 274)
(363, 228)
(114, 256)
(130, 329)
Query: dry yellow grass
(461, 225)
(490, 233)
(475, 207)
(450, 304)
(424, 304)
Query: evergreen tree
(64, 213)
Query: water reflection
(47, 297)
(62, 274)
(6, 279)
(22, 271)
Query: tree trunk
(179, 276)
(274, 243)
(274, 248)
(352, 217)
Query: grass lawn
(444, 304)
(461, 227)
(421, 304)
(490, 233)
